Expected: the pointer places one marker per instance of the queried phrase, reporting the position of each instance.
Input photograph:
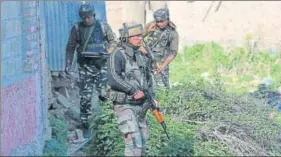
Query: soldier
(92, 39)
(162, 38)
(129, 77)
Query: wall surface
(31, 33)
(23, 111)
(226, 22)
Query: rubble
(63, 103)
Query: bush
(57, 146)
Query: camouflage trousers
(91, 77)
(162, 79)
(134, 128)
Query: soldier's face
(88, 20)
(135, 40)
(162, 23)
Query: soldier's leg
(143, 125)
(129, 126)
(165, 77)
(102, 82)
(86, 89)
(162, 79)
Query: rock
(71, 136)
(55, 73)
(62, 100)
(60, 83)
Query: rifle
(156, 112)
(152, 58)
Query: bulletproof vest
(135, 68)
(96, 42)
(158, 41)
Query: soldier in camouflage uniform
(129, 77)
(162, 38)
(92, 39)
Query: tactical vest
(134, 73)
(96, 42)
(134, 70)
(159, 42)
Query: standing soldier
(92, 39)
(162, 38)
(129, 77)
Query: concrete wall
(23, 104)
(198, 21)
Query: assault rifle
(154, 63)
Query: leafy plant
(57, 146)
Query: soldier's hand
(142, 49)
(110, 50)
(160, 68)
(138, 95)
(67, 69)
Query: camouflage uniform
(128, 72)
(163, 43)
(92, 71)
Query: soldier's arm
(116, 64)
(173, 49)
(148, 27)
(110, 36)
(70, 47)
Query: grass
(237, 69)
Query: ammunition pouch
(160, 54)
(122, 98)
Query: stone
(62, 100)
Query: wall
(31, 33)
(121, 11)
(199, 21)
(23, 111)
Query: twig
(191, 121)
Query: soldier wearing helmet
(162, 38)
(128, 76)
(92, 39)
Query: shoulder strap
(90, 33)
(159, 39)
(102, 24)
(77, 31)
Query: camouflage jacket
(163, 43)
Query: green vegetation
(57, 146)
(238, 69)
(209, 110)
